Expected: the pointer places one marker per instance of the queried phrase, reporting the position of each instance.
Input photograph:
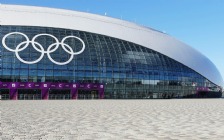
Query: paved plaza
(113, 119)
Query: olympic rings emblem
(23, 45)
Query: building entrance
(48, 90)
(4, 94)
(29, 94)
(59, 94)
(88, 94)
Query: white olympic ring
(40, 48)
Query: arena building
(49, 53)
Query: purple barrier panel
(29, 85)
(88, 86)
(82, 86)
(22, 85)
(5, 85)
(68, 85)
(13, 85)
(37, 85)
(53, 85)
(26, 85)
(1, 84)
(95, 86)
(202, 89)
(63, 86)
(74, 90)
(60, 85)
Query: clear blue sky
(198, 23)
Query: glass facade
(127, 70)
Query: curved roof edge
(148, 37)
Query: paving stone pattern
(113, 119)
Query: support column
(101, 91)
(74, 91)
(13, 94)
(74, 94)
(44, 94)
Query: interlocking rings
(38, 47)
